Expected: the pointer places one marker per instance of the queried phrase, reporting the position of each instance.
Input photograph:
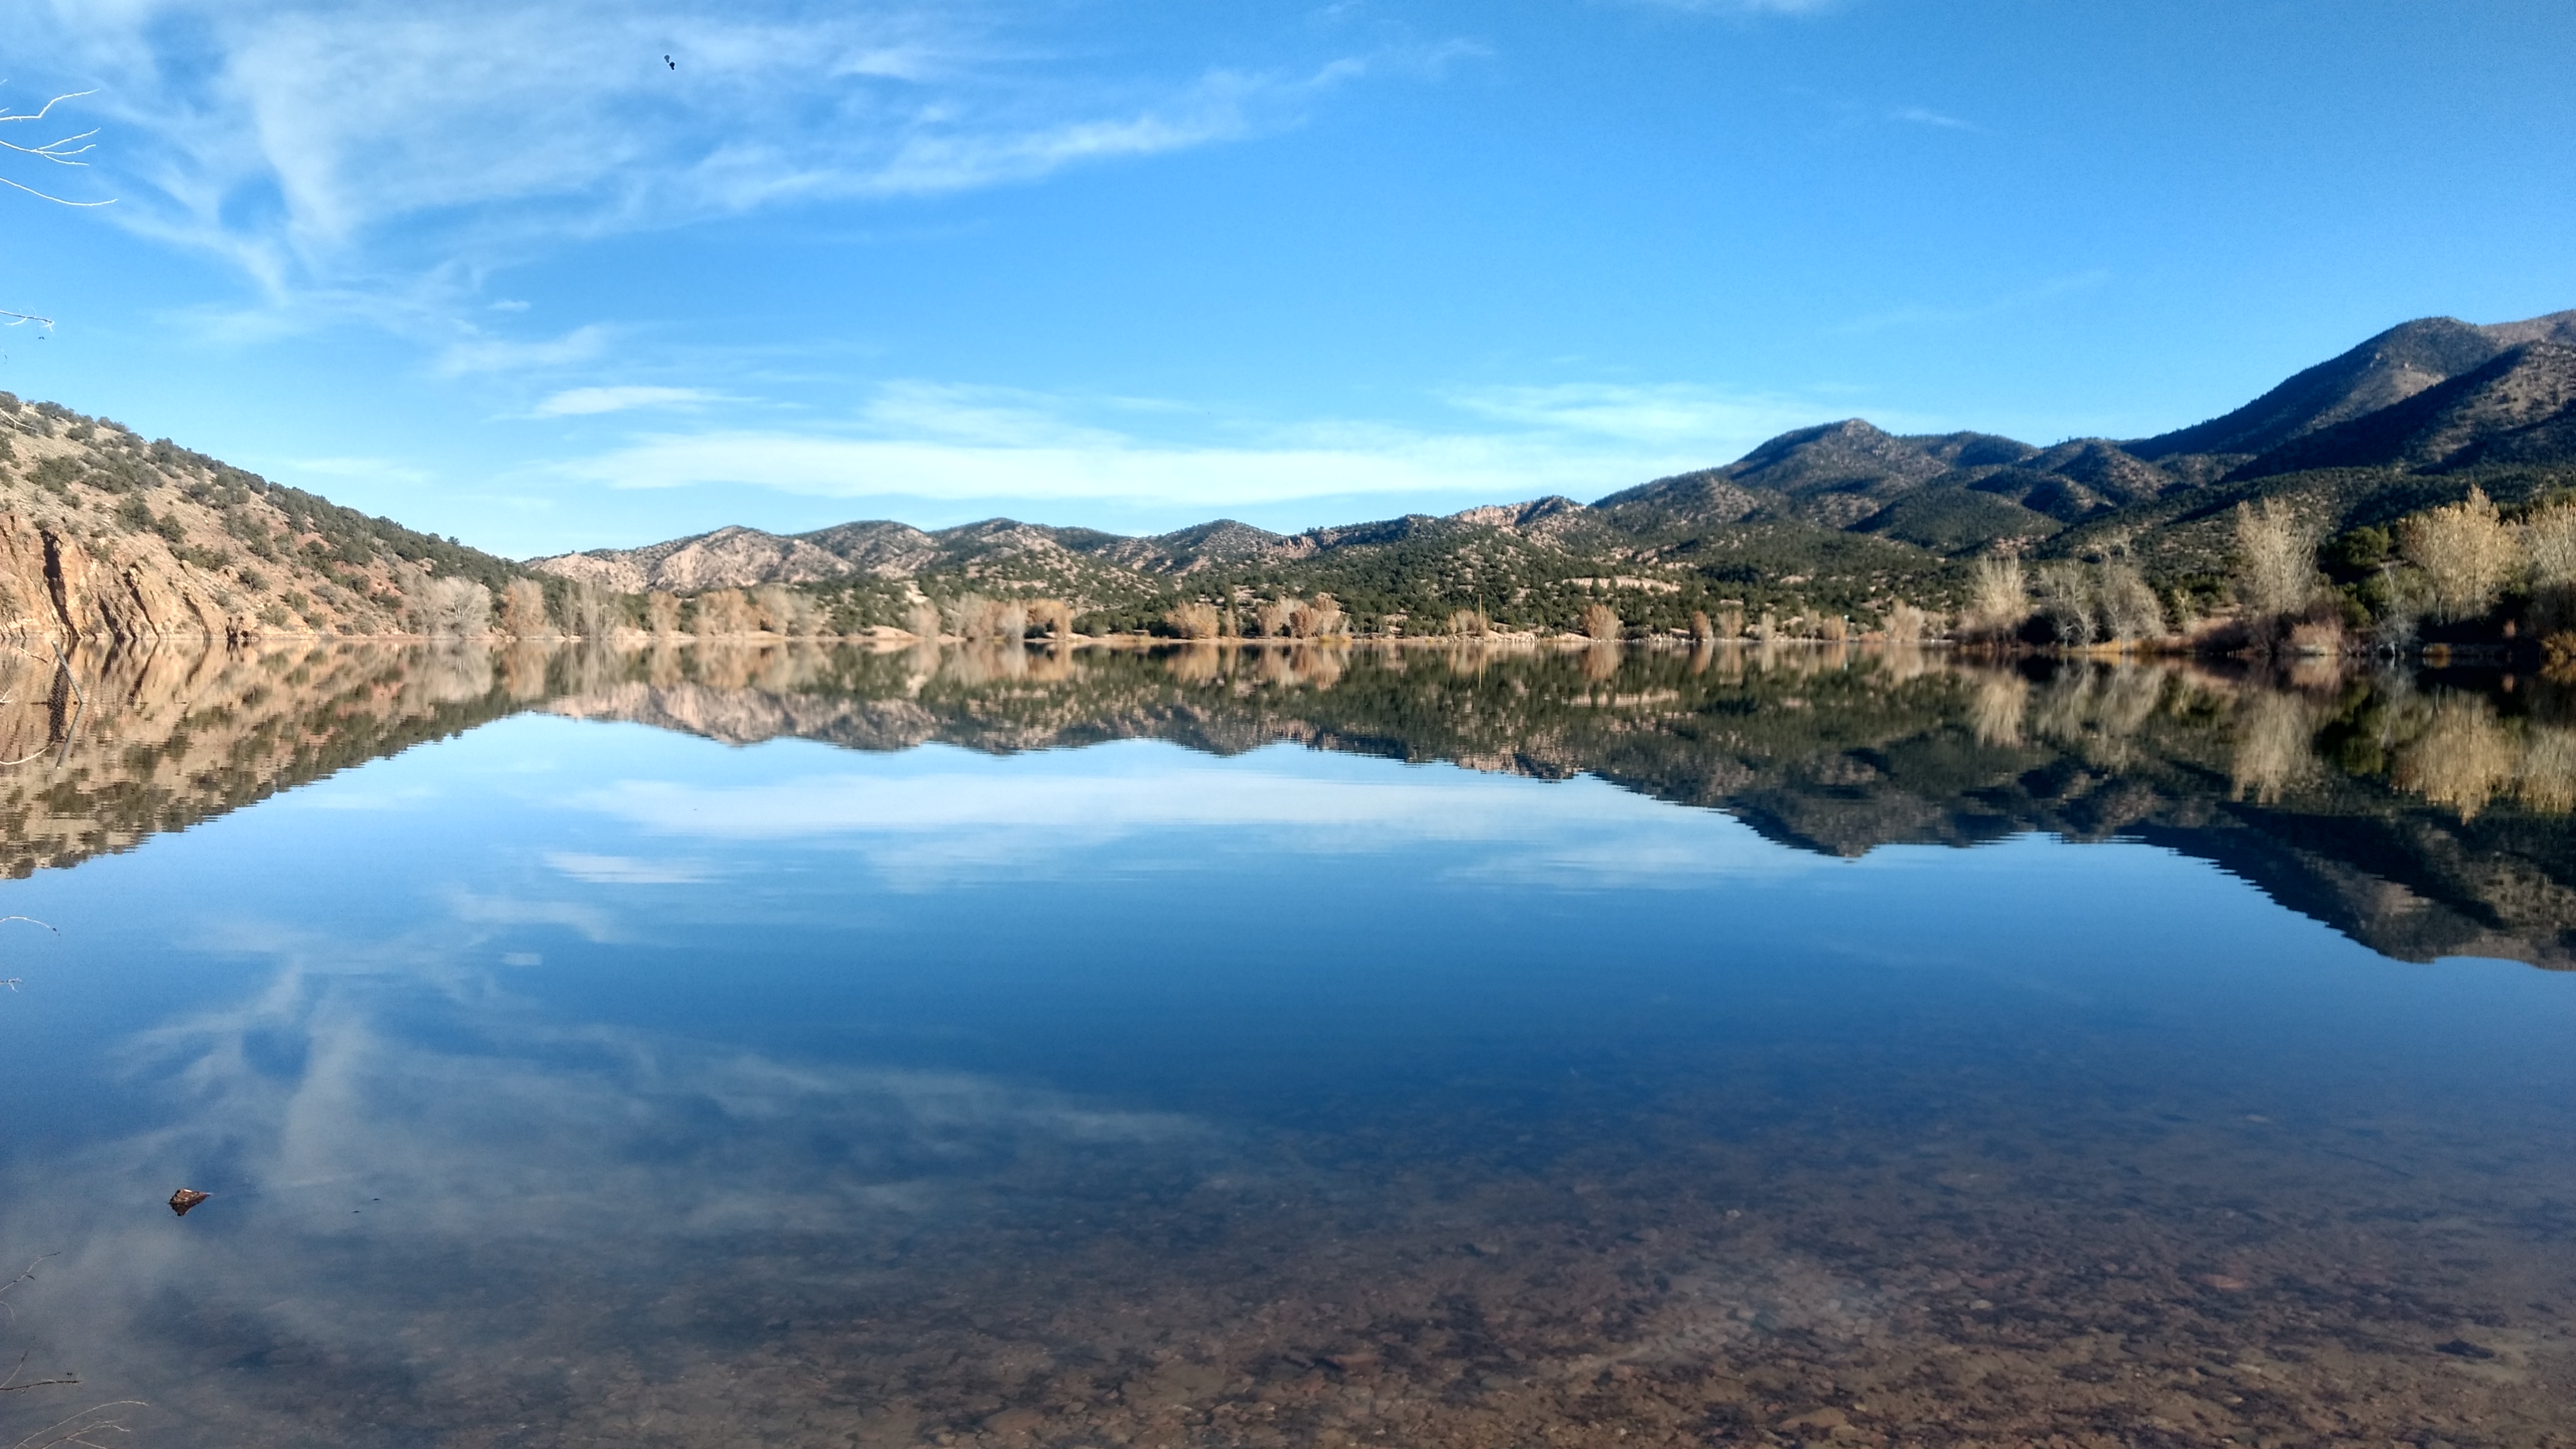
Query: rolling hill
(1840, 519)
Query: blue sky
(497, 270)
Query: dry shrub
(1998, 599)
(1052, 617)
(1730, 621)
(2274, 730)
(662, 613)
(1701, 630)
(1194, 620)
(2466, 552)
(2316, 636)
(921, 620)
(1834, 630)
(1470, 624)
(1905, 623)
(2275, 568)
(455, 608)
(1271, 618)
(1600, 622)
(2463, 758)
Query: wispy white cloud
(369, 144)
(478, 354)
(932, 441)
(589, 401)
(1926, 116)
(373, 470)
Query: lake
(1258, 1046)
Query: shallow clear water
(571, 1080)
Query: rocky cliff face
(106, 537)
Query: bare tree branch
(63, 152)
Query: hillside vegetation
(2323, 515)
(1827, 531)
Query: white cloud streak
(373, 144)
(925, 441)
(590, 401)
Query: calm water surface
(580, 1056)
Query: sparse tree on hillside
(2466, 552)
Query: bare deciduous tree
(2549, 543)
(454, 608)
(2129, 609)
(976, 616)
(1600, 621)
(2275, 569)
(2466, 552)
(1998, 598)
(523, 610)
(1320, 619)
(724, 611)
(1194, 620)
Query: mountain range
(1843, 516)
(104, 535)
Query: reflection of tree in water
(1835, 748)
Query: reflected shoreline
(2424, 813)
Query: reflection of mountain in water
(103, 754)
(2421, 819)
